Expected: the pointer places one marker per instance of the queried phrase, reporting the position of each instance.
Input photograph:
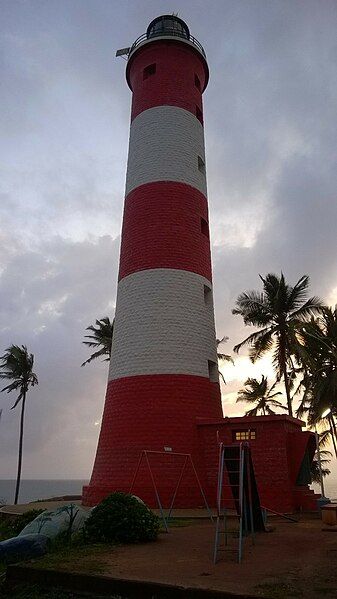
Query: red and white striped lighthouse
(163, 373)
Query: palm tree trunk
(18, 477)
(283, 365)
(287, 388)
(333, 432)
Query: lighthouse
(163, 376)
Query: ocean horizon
(37, 489)
(34, 489)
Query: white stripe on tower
(171, 312)
(165, 143)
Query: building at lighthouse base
(281, 454)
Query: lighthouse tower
(163, 375)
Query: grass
(76, 556)
(5, 529)
(278, 590)
(38, 592)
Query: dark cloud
(48, 297)
(270, 113)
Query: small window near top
(149, 70)
(197, 82)
(207, 295)
(246, 435)
(204, 227)
(201, 165)
(198, 114)
(213, 371)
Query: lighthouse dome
(168, 25)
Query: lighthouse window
(197, 82)
(149, 70)
(204, 227)
(247, 435)
(201, 165)
(198, 114)
(213, 371)
(207, 295)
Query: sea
(33, 490)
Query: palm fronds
(260, 393)
(276, 311)
(100, 337)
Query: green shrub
(19, 523)
(121, 517)
(11, 527)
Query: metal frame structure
(241, 497)
(188, 458)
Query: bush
(11, 527)
(19, 523)
(121, 517)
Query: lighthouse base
(281, 455)
(187, 497)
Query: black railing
(169, 33)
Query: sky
(270, 122)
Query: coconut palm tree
(101, 337)
(259, 393)
(223, 357)
(275, 311)
(314, 466)
(317, 354)
(321, 458)
(16, 365)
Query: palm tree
(101, 337)
(317, 353)
(223, 357)
(322, 457)
(314, 466)
(16, 365)
(259, 393)
(275, 311)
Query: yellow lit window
(244, 435)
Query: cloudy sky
(270, 117)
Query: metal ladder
(234, 459)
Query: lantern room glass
(168, 25)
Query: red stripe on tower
(163, 373)
(166, 73)
(160, 221)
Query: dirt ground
(294, 560)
